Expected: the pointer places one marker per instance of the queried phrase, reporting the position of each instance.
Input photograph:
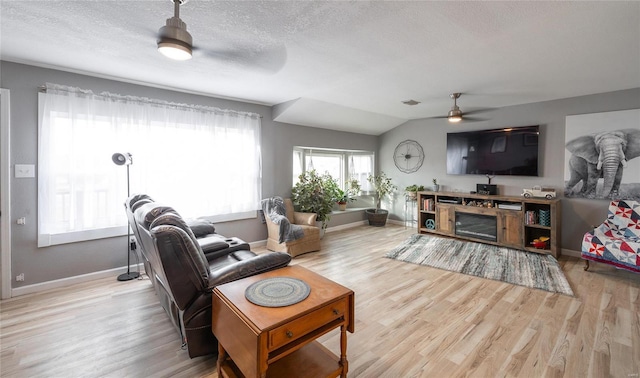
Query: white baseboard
(259, 243)
(42, 286)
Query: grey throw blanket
(275, 210)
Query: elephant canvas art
(600, 164)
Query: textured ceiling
(345, 65)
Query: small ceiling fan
(456, 115)
(175, 42)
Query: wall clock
(408, 156)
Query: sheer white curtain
(202, 161)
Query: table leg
(343, 351)
(222, 355)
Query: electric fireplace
(478, 226)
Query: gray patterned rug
(482, 260)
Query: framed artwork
(601, 155)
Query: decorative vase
(377, 217)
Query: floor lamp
(125, 159)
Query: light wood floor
(411, 321)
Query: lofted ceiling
(343, 65)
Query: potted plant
(436, 187)
(315, 193)
(382, 186)
(412, 190)
(342, 199)
(344, 196)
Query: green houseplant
(315, 193)
(347, 195)
(412, 190)
(383, 187)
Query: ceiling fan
(175, 42)
(456, 115)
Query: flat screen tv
(508, 151)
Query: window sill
(348, 210)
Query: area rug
(516, 267)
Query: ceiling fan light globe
(454, 115)
(174, 51)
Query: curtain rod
(43, 89)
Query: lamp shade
(122, 158)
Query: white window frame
(302, 153)
(223, 122)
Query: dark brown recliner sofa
(182, 275)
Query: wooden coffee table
(257, 341)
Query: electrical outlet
(25, 170)
(22, 221)
(20, 277)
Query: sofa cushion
(147, 213)
(137, 200)
(201, 227)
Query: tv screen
(508, 151)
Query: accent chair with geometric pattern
(617, 240)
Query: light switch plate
(25, 170)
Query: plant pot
(342, 206)
(377, 217)
(320, 225)
(436, 187)
(412, 195)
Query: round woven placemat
(277, 292)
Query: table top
(260, 318)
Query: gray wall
(67, 260)
(45, 264)
(577, 214)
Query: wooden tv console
(511, 221)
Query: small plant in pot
(412, 190)
(383, 187)
(436, 187)
(315, 193)
(345, 196)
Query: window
(341, 164)
(202, 161)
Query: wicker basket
(377, 218)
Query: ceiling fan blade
(267, 60)
(478, 111)
(472, 119)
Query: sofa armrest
(304, 218)
(245, 268)
(212, 244)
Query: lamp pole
(126, 159)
